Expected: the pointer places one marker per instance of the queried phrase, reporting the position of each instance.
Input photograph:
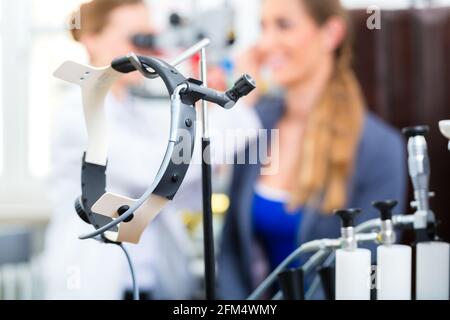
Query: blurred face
(115, 39)
(292, 45)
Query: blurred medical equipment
(395, 261)
(352, 264)
(217, 24)
(419, 171)
(432, 256)
(120, 219)
(444, 126)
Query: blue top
(276, 228)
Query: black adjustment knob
(80, 211)
(121, 211)
(348, 216)
(385, 208)
(411, 132)
(242, 87)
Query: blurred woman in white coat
(76, 269)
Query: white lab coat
(139, 131)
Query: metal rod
(208, 229)
(204, 75)
(188, 53)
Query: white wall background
(33, 42)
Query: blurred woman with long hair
(332, 152)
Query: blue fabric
(276, 228)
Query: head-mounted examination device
(117, 218)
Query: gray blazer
(380, 174)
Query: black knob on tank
(385, 208)
(411, 132)
(347, 216)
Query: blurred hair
(95, 14)
(334, 127)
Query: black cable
(133, 274)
